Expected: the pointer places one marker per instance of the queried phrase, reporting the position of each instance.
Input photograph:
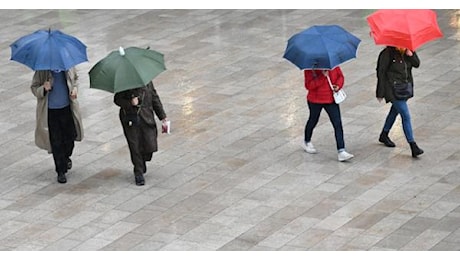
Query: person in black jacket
(137, 115)
(394, 69)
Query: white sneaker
(308, 147)
(344, 156)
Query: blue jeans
(400, 107)
(333, 110)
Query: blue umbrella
(321, 47)
(48, 50)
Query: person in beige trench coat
(42, 85)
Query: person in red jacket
(320, 96)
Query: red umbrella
(404, 28)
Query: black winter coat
(394, 67)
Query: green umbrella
(126, 69)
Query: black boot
(139, 180)
(61, 177)
(386, 140)
(416, 151)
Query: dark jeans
(62, 136)
(333, 110)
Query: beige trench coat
(42, 139)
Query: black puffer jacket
(393, 67)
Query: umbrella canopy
(321, 47)
(404, 28)
(126, 69)
(48, 50)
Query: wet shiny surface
(232, 174)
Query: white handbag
(339, 96)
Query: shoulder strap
(330, 83)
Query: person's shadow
(105, 182)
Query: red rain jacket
(318, 87)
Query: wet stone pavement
(232, 174)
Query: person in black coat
(138, 108)
(394, 70)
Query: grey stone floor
(232, 175)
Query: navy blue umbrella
(321, 47)
(48, 50)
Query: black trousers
(333, 110)
(135, 136)
(62, 136)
